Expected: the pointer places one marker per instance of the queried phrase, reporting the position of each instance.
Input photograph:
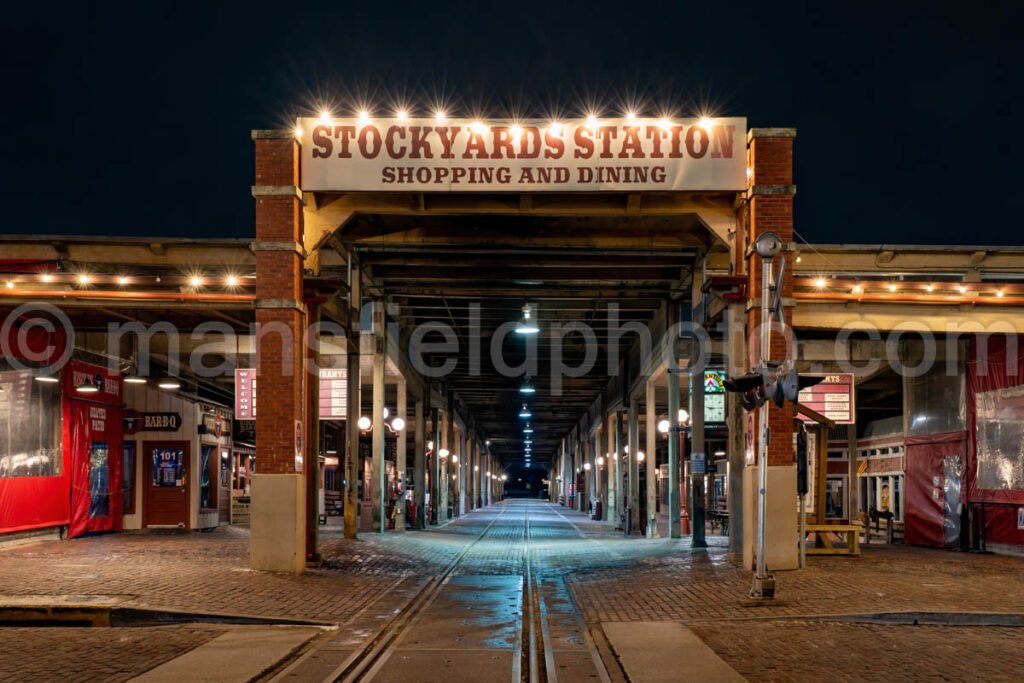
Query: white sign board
(463, 155)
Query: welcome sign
(461, 155)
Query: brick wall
(280, 358)
(770, 209)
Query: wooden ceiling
(472, 272)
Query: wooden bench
(824, 543)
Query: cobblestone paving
(829, 651)
(612, 578)
(92, 654)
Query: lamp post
(396, 425)
(767, 246)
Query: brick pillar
(770, 209)
(277, 542)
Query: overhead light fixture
(527, 429)
(87, 387)
(525, 412)
(663, 426)
(527, 324)
(364, 423)
(527, 387)
(48, 379)
(134, 379)
(398, 424)
(169, 383)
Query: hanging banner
(463, 155)
(333, 393)
(245, 393)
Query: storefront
(995, 473)
(60, 446)
(180, 453)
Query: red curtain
(995, 364)
(96, 492)
(925, 516)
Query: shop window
(999, 430)
(30, 426)
(208, 477)
(837, 455)
(835, 497)
(99, 481)
(128, 479)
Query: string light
(820, 283)
(47, 277)
(122, 280)
(858, 288)
(963, 289)
(196, 281)
(10, 284)
(999, 293)
(83, 279)
(232, 281)
(930, 287)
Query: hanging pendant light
(527, 325)
(525, 413)
(527, 429)
(527, 387)
(87, 387)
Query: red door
(166, 483)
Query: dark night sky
(134, 118)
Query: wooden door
(166, 482)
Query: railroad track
(536, 660)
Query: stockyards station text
(346, 154)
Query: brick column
(769, 208)
(277, 542)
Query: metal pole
(419, 467)
(673, 453)
(762, 458)
(803, 531)
(400, 456)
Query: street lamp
(768, 245)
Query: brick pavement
(93, 654)
(612, 578)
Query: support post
(435, 466)
(312, 438)
(278, 537)
(352, 410)
(650, 426)
(400, 457)
(737, 418)
(419, 474)
(377, 488)
(674, 436)
(633, 428)
(698, 500)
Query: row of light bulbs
(440, 116)
(858, 288)
(196, 281)
(168, 383)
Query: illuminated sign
(462, 155)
